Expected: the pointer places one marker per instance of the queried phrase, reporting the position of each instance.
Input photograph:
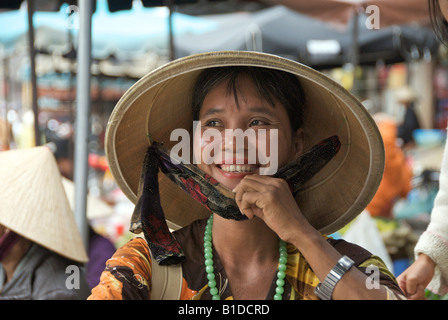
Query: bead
(282, 260)
(214, 291)
(210, 276)
(281, 267)
(209, 269)
(208, 249)
(212, 283)
(280, 282)
(278, 297)
(281, 274)
(279, 290)
(208, 255)
(208, 262)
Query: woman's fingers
(271, 200)
(247, 204)
(247, 195)
(248, 183)
(255, 195)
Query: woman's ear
(299, 142)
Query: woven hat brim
(159, 103)
(33, 202)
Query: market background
(373, 59)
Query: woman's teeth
(238, 168)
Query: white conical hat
(33, 202)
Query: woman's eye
(212, 123)
(258, 123)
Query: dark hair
(438, 21)
(271, 84)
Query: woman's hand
(271, 200)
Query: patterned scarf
(148, 214)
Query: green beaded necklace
(210, 270)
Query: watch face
(346, 262)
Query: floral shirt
(128, 273)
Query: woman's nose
(238, 143)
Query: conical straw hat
(33, 202)
(160, 103)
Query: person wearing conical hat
(41, 251)
(252, 160)
(407, 97)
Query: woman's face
(220, 111)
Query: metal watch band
(324, 290)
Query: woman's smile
(238, 168)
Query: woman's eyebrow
(212, 111)
(263, 110)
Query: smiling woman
(240, 234)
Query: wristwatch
(324, 290)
